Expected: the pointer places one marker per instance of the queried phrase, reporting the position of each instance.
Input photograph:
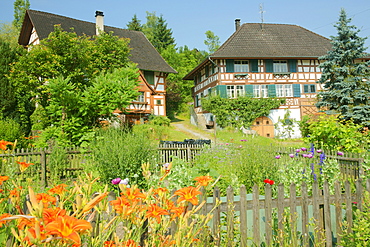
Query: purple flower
(304, 149)
(291, 155)
(318, 151)
(243, 140)
(277, 157)
(310, 155)
(305, 155)
(315, 177)
(340, 153)
(298, 150)
(116, 181)
(165, 165)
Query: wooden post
(338, 210)
(230, 216)
(293, 214)
(243, 216)
(305, 215)
(327, 220)
(44, 179)
(268, 214)
(256, 215)
(216, 217)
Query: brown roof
(255, 40)
(143, 52)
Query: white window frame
(241, 66)
(234, 91)
(310, 87)
(280, 66)
(260, 91)
(284, 90)
(141, 97)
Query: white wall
(294, 114)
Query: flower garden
(120, 201)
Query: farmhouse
(264, 60)
(153, 68)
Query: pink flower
(304, 149)
(291, 155)
(116, 180)
(277, 157)
(340, 153)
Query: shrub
(159, 120)
(10, 130)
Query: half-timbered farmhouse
(264, 60)
(153, 68)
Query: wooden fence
(264, 219)
(182, 151)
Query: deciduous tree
(20, 7)
(212, 41)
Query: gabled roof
(143, 52)
(270, 41)
(256, 40)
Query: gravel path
(192, 134)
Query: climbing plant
(239, 112)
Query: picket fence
(326, 208)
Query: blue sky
(190, 19)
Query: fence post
(230, 216)
(43, 168)
(243, 216)
(216, 216)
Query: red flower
(269, 181)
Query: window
(260, 91)
(241, 66)
(284, 90)
(234, 91)
(158, 102)
(141, 98)
(280, 66)
(149, 76)
(311, 88)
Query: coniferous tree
(20, 7)
(346, 81)
(134, 24)
(162, 35)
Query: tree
(212, 41)
(134, 24)
(346, 81)
(9, 33)
(20, 7)
(73, 62)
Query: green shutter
(292, 65)
(306, 89)
(297, 90)
(149, 76)
(249, 90)
(254, 65)
(196, 101)
(213, 69)
(221, 90)
(269, 65)
(207, 71)
(271, 90)
(230, 65)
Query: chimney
(99, 22)
(237, 24)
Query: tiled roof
(143, 52)
(256, 40)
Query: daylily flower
(51, 214)
(59, 189)
(203, 180)
(24, 165)
(46, 199)
(155, 211)
(188, 194)
(4, 144)
(2, 222)
(68, 227)
(3, 178)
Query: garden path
(192, 134)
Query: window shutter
(271, 90)
(254, 65)
(269, 65)
(230, 65)
(207, 71)
(196, 101)
(297, 90)
(249, 90)
(221, 90)
(292, 65)
(149, 76)
(213, 69)
(305, 88)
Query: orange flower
(130, 243)
(155, 212)
(94, 202)
(59, 189)
(46, 199)
(188, 194)
(133, 194)
(203, 180)
(3, 178)
(24, 165)
(2, 222)
(109, 244)
(68, 228)
(177, 211)
(14, 193)
(160, 191)
(4, 144)
(120, 204)
(50, 214)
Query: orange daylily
(160, 191)
(2, 222)
(109, 244)
(177, 211)
(133, 194)
(94, 202)
(3, 178)
(203, 180)
(155, 211)
(14, 193)
(59, 189)
(51, 214)
(130, 243)
(68, 227)
(24, 165)
(188, 194)
(46, 199)
(4, 144)
(121, 205)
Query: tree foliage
(212, 41)
(60, 75)
(134, 24)
(346, 81)
(239, 112)
(20, 7)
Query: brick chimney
(99, 22)
(237, 24)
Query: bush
(10, 130)
(159, 120)
(118, 153)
